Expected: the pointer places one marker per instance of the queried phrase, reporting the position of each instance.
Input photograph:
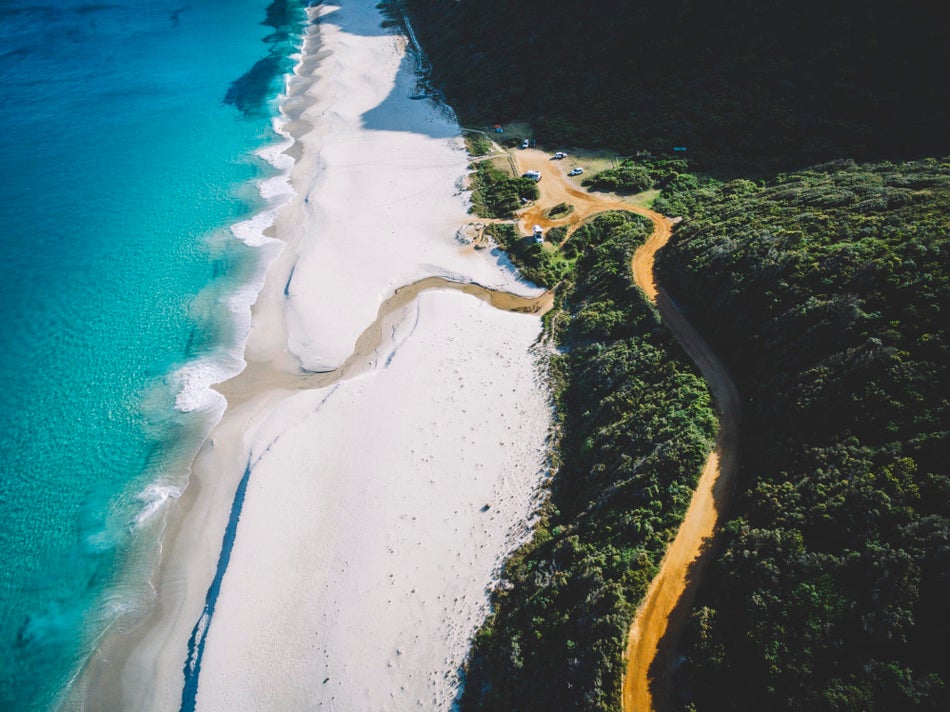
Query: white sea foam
(199, 634)
(193, 383)
(195, 379)
(275, 153)
(154, 498)
(276, 187)
(251, 231)
(276, 190)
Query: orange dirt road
(663, 611)
(555, 187)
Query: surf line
(367, 344)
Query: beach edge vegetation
(821, 287)
(634, 425)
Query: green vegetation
(495, 194)
(745, 87)
(560, 210)
(556, 236)
(826, 293)
(635, 426)
(477, 144)
(636, 176)
(538, 263)
(626, 178)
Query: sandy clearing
(556, 187)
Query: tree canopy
(826, 291)
(746, 87)
(635, 426)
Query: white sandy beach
(381, 501)
(378, 197)
(365, 548)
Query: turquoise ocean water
(128, 134)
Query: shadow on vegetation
(747, 88)
(823, 291)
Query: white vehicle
(538, 234)
(533, 175)
(576, 171)
(525, 143)
(559, 155)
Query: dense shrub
(636, 425)
(625, 178)
(477, 144)
(560, 210)
(498, 195)
(543, 266)
(826, 293)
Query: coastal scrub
(635, 424)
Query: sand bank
(373, 504)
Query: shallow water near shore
(128, 134)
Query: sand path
(660, 617)
(663, 611)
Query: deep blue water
(127, 133)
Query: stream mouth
(261, 376)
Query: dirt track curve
(660, 617)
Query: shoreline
(194, 391)
(278, 345)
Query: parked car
(575, 171)
(533, 175)
(559, 155)
(525, 143)
(538, 234)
